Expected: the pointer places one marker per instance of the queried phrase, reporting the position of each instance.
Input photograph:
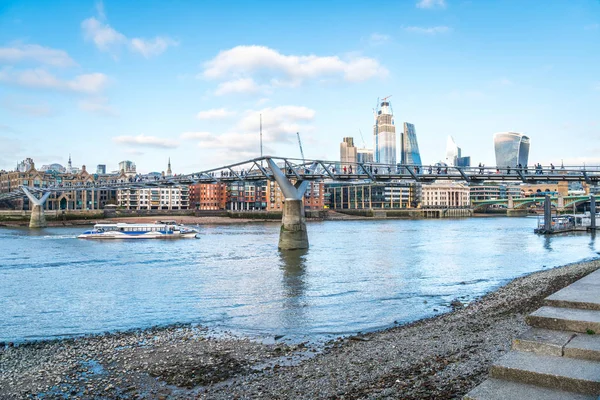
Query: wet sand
(437, 358)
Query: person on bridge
(350, 169)
(508, 170)
(345, 170)
(551, 167)
(375, 170)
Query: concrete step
(561, 373)
(495, 389)
(565, 319)
(585, 347)
(559, 343)
(583, 294)
(543, 341)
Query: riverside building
(384, 134)
(348, 153)
(159, 198)
(445, 195)
(367, 196)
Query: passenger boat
(157, 230)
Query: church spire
(169, 172)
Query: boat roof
(125, 224)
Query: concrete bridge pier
(293, 234)
(38, 218)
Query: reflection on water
(356, 276)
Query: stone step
(583, 294)
(586, 347)
(561, 373)
(566, 319)
(543, 341)
(496, 389)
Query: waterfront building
(101, 169)
(208, 196)
(384, 133)
(410, 154)
(480, 192)
(368, 196)
(348, 153)
(89, 199)
(551, 188)
(159, 198)
(53, 168)
(364, 156)
(511, 149)
(128, 167)
(445, 195)
(267, 196)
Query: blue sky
(144, 81)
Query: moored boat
(156, 230)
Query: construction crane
(300, 144)
(363, 139)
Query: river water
(357, 276)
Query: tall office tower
(101, 169)
(364, 155)
(384, 133)
(511, 149)
(347, 152)
(452, 151)
(454, 155)
(409, 147)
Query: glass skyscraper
(384, 135)
(511, 149)
(409, 147)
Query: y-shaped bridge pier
(293, 235)
(38, 219)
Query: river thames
(357, 276)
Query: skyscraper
(384, 134)
(364, 155)
(452, 151)
(101, 169)
(409, 147)
(347, 152)
(511, 149)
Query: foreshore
(437, 358)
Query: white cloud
(377, 39)
(98, 105)
(278, 123)
(428, 31)
(154, 47)
(431, 4)
(100, 10)
(41, 79)
(110, 40)
(104, 37)
(17, 106)
(215, 113)
(147, 141)
(242, 85)
(196, 135)
(243, 61)
(35, 53)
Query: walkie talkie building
(511, 148)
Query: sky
(111, 80)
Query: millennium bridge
(293, 176)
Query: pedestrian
(375, 170)
(350, 168)
(551, 167)
(345, 169)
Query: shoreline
(440, 357)
(214, 220)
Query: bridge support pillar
(293, 234)
(38, 218)
(592, 212)
(547, 214)
(560, 202)
(511, 202)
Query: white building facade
(163, 198)
(445, 195)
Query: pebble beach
(437, 358)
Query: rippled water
(356, 276)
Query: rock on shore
(438, 358)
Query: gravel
(437, 358)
